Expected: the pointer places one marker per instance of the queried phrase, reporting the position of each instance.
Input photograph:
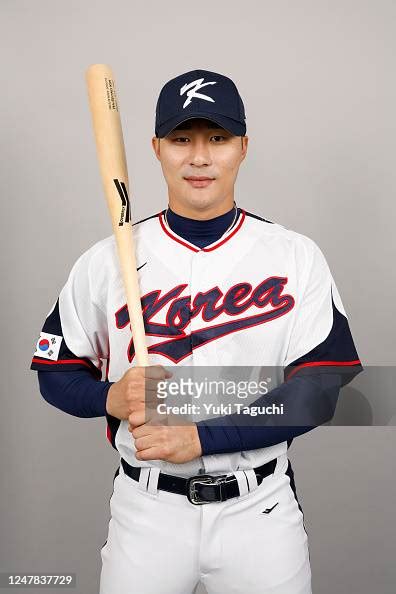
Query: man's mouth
(199, 181)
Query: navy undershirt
(201, 233)
(80, 394)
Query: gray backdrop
(318, 85)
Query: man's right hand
(137, 387)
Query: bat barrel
(110, 149)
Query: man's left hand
(155, 440)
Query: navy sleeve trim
(336, 354)
(39, 364)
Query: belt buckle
(203, 479)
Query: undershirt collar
(200, 233)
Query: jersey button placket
(198, 265)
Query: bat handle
(127, 260)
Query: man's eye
(182, 138)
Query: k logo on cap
(192, 91)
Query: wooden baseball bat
(110, 148)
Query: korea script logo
(240, 299)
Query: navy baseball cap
(200, 94)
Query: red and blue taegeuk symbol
(43, 344)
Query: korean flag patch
(48, 346)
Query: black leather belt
(201, 488)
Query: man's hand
(156, 441)
(135, 390)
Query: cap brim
(228, 124)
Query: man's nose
(200, 153)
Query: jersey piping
(216, 244)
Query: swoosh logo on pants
(269, 509)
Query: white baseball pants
(160, 543)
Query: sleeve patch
(48, 346)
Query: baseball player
(211, 501)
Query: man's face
(199, 148)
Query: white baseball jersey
(261, 295)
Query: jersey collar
(212, 246)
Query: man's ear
(244, 145)
(156, 146)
